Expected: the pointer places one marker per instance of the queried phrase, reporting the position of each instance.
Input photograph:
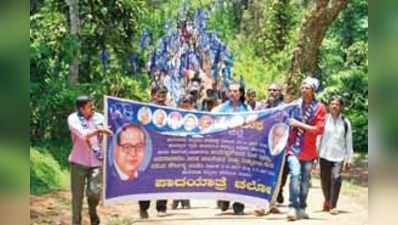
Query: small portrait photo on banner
(159, 118)
(205, 122)
(277, 138)
(190, 122)
(175, 120)
(144, 115)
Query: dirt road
(353, 205)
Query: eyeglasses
(129, 148)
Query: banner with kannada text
(160, 152)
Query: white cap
(313, 82)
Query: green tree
(74, 19)
(305, 56)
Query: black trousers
(161, 205)
(331, 180)
(184, 203)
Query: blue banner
(160, 152)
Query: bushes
(256, 74)
(353, 86)
(53, 101)
(45, 172)
(345, 72)
(13, 169)
(261, 35)
(53, 48)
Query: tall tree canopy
(97, 45)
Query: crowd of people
(315, 132)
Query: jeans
(300, 173)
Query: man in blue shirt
(235, 103)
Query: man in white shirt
(335, 152)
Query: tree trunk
(75, 31)
(305, 56)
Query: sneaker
(292, 214)
(334, 211)
(144, 214)
(302, 214)
(162, 214)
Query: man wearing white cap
(307, 122)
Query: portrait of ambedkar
(130, 150)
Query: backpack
(345, 125)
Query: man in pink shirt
(87, 128)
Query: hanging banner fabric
(160, 152)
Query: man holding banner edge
(307, 122)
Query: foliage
(13, 169)
(54, 101)
(277, 25)
(261, 34)
(52, 48)
(344, 67)
(45, 173)
(255, 72)
(352, 83)
(271, 25)
(223, 22)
